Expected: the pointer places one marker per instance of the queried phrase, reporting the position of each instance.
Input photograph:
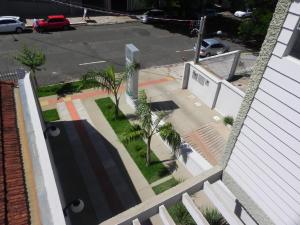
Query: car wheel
(208, 54)
(19, 30)
(40, 30)
(66, 27)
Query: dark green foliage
(31, 58)
(165, 186)
(180, 215)
(61, 89)
(120, 125)
(50, 115)
(213, 217)
(255, 28)
(228, 120)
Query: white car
(151, 15)
(11, 24)
(243, 14)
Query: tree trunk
(35, 81)
(148, 156)
(116, 107)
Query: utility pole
(200, 37)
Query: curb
(92, 24)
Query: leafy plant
(228, 120)
(32, 59)
(109, 81)
(120, 125)
(213, 216)
(147, 127)
(180, 215)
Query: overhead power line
(117, 13)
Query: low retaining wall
(215, 93)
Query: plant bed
(165, 185)
(50, 115)
(137, 149)
(180, 215)
(61, 89)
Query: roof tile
(14, 209)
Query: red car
(55, 22)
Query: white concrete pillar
(136, 222)
(213, 196)
(165, 216)
(193, 210)
(132, 55)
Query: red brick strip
(99, 92)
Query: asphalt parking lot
(72, 53)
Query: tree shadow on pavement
(163, 106)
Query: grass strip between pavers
(50, 115)
(165, 185)
(136, 149)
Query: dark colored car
(55, 22)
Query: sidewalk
(94, 20)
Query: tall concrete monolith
(132, 55)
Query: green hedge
(136, 149)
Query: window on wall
(295, 50)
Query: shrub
(228, 120)
(180, 215)
(138, 147)
(213, 216)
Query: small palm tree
(148, 127)
(32, 59)
(107, 80)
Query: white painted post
(165, 216)
(186, 76)
(234, 64)
(230, 217)
(136, 222)
(193, 210)
(132, 59)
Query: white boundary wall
(215, 93)
(47, 191)
(229, 99)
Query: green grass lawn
(165, 185)
(136, 149)
(61, 89)
(50, 115)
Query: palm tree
(107, 80)
(149, 126)
(33, 59)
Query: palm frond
(170, 135)
(134, 133)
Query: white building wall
(265, 161)
(215, 93)
(203, 85)
(229, 99)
